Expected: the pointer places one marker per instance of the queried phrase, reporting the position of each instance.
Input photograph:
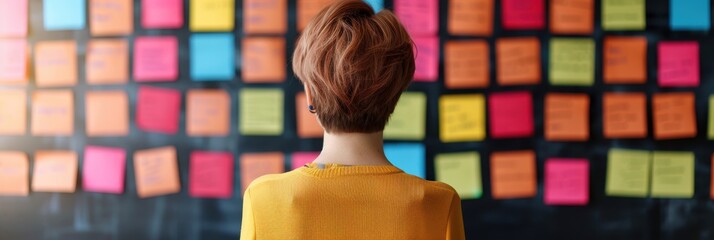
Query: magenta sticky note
(427, 59)
(511, 114)
(523, 14)
(157, 109)
(211, 174)
(299, 159)
(566, 182)
(103, 169)
(678, 64)
(419, 17)
(163, 14)
(155, 59)
(13, 63)
(13, 18)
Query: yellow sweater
(350, 202)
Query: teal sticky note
(64, 14)
(410, 157)
(690, 14)
(377, 5)
(212, 57)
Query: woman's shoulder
(432, 185)
(269, 180)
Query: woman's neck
(353, 149)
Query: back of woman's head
(355, 63)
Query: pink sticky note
(13, 60)
(566, 182)
(103, 169)
(419, 17)
(511, 114)
(13, 18)
(155, 59)
(678, 64)
(167, 14)
(299, 159)
(523, 14)
(158, 109)
(427, 59)
(211, 174)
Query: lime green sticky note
(673, 174)
(623, 14)
(628, 173)
(261, 111)
(711, 117)
(462, 117)
(408, 121)
(572, 61)
(462, 171)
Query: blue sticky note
(64, 14)
(212, 57)
(377, 5)
(410, 157)
(690, 14)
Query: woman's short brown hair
(356, 64)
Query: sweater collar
(334, 169)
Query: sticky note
(156, 172)
(712, 182)
(674, 115)
(111, 17)
(13, 112)
(14, 174)
(523, 14)
(208, 113)
(265, 17)
(107, 113)
(513, 174)
(470, 17)
(156, 59)
(263, 60)
(299, 159)
(572, 61)
(103, 169)
(624, 115)
(518, 61)
(419, 17)
(672, 174)
(625, 60)
(376, 5)
(572, 17)
(107, 61)
(211, 15)
(307, 9)
(710, 132)
(426, 59)
(255, 165)
(690, 14)
(52, 113)
(64, 14)
(409, 157)
(211, 174)
(566, 182)
(623, 14)
(158, 109)
(462, 171)
(678, 64)
(13, 18)
(212, 57)
(164, 14)
(567, 117)
(261, 111)
(462, 117)
(54, 171)
(467, 64)
(628, 173)
(56, 63)
(307, 124)
(408, 121)
(13, 61)
(511, 114)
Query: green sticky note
(572, 61)
(711, 117)
(261, 111)
(628, 173)
(462, 171)
(408, 121)
(673, 174)
(623, 14)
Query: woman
(354, 64)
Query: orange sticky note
(107, 61)
(518, 61)
(254, 165)
(208, 113)
(513, 174)
(263, 59)
(571, 16)
(307, 9)
(265, 17)
(567, 117)
(467, 64)
(107, 113)
(307, 124)
(156, 172)
(56, 63)
(13, 61)
(52, 113)
(55, 171)
(471, 17)
(624, 115)
(674, 115)
(625, 60)
(111, 17)
(13, 112)
(14, 174)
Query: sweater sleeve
(247, 230)
(455, 224)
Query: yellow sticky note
(673, 174)
(13, 112)
(628, 173)
(212, 15)
(261, 111)
(462, 171)
(408, 121)
(623, 14)
(572, 61)
(462, 118)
